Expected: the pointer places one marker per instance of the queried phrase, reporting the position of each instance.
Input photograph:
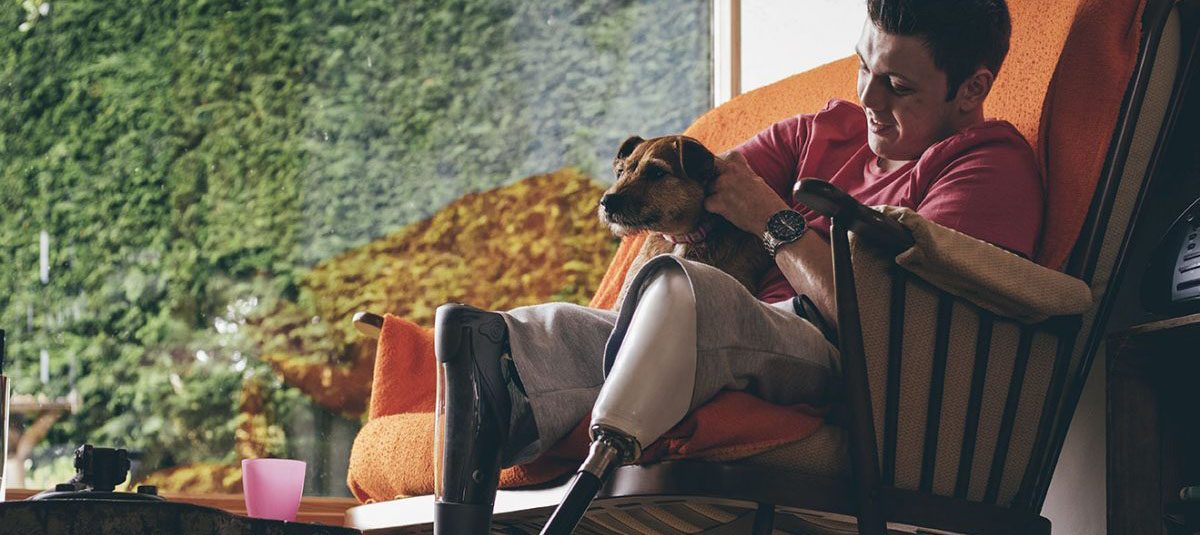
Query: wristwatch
(785, 226)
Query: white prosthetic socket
(647, 391)
(649, 388)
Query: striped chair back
(961, 398)
(976, 407)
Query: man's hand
(741, 196)
(746, 200)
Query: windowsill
(323, 510)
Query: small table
(118, 517)
(1153, 414)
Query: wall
(1075, 504)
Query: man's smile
(877, 127)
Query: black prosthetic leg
(473, 410)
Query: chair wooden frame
(870, 494)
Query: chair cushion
(823, 453)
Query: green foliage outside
(188, 160)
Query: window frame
(726, 50)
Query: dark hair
(962, 35)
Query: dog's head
(661, 185)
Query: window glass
(195, 197)
(780, 39)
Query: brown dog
(661, 185)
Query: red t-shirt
(983, 181)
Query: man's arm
(807, 264)
(745, 199)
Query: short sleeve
(991, 191)
(774, 153)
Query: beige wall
(1076, 502)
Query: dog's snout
(612, 202)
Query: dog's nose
(612, 202)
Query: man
(517, 382)
(924, 144)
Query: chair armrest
(990, 277)
(368, 324)
(827, 200)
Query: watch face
(787, 225)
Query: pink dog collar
(695, 236)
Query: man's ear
(695, 160)
(974, 90)
(628, 146)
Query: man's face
(903, 94)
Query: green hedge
(189, 159)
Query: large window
(779, 39)
(195, 195)
(758, 42)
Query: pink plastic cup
(272, 488)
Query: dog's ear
(695, 160)
(628, 146)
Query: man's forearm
(746, 200)
(807, 264)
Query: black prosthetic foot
(473, 418)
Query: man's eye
(900, 89)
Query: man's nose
(873, 96)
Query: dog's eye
(655, 172)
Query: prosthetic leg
(647, 391)
(472, 418)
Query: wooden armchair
(957, 413)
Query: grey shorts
(743, 344)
